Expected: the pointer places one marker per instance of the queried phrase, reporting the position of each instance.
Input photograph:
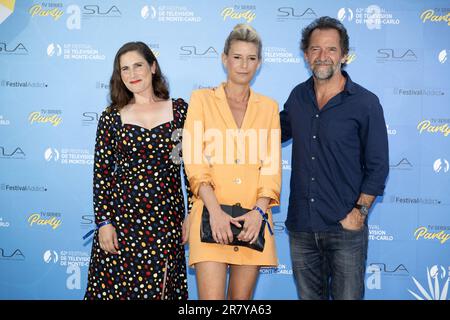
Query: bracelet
(103, 223)
(264, 216)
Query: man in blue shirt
(339, 166)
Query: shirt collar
(350, 86)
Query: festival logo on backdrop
(75, 51)
(410, 200)
(65, 258)
(374, 16)
(11, 254)
(90, 12)
(82, 51)
(148, 12)
(402, 164)
(89, 118)
(170, 13)
(50, 256)
(54, 50)
(285, 14)
(442, 57)
(73, 261)
(16, 48)
(280, 55)
(280, 269)
(240, 13)
(87, 221)
(440, 234)
(23, 84)
(191, 51)
(375, 271)
(22, 188)
(390, 269)
(345, 14)
(419, 91)
(436, 15)
(377, 233)
(47, 10)
(399, 55)
(50, 219)
(69, 156)
(12, 153)
(441, 166)
(51, 154)
(45, 116)
(434, 126)
(438, 278)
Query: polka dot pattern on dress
(138, 187)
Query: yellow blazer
(241, 165)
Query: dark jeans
(329, 264)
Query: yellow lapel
(252, 110)
(227, 115)
(223, 108)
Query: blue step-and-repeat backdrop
(56, 58)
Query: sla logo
(402, 164)
(15, 255)
(345, 14)
(441, 165)
(51, 154)
(16, 154)
(145, 12)
(437, 273)
(442, 56)
(50, 256)
(54, 49)
(296, 14)
(19, 49)
(6, 9)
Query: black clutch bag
(234, 211)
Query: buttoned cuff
(269, 193)
(372, 189)
(196, 181)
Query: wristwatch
(364, 210)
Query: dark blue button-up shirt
(338, 153)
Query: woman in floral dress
(138, 199)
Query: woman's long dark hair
(120, 96)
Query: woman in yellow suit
(231, 152)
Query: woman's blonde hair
(246, 33)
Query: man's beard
(323, 73)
